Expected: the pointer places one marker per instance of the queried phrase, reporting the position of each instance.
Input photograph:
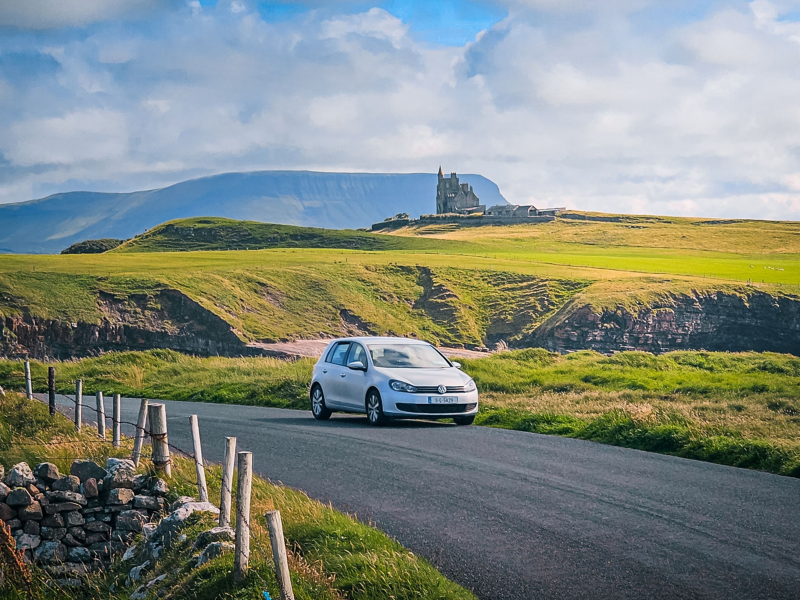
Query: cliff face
(166, 319)
(169, 319)
(714, 321)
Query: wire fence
(176, 472)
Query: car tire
(464, 420)
(374, 408)
(318, 408)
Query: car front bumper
(420, 406)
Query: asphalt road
(515, 515)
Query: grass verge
(332, 555)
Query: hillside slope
(214, 233)
(566, 285)
(332, 200)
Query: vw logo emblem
(442, 389)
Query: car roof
(382, 340)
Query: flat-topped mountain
(307, 198)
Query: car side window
(340, 353)
(357, 353)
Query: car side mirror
(357, 365)
(457, 365)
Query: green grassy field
(332, 556)
(448, 284)
(735, 409)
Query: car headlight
(470, 387)
(401, 386)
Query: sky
(636, 106)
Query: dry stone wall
(73, 524)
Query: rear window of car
(338, 353)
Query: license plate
(442, 400)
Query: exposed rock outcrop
(166, 319)
(700, 321)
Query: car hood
(418, 377)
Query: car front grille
(436, 409)
(434, 389)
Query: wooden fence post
(139, 439)
(227, 482)
(28, 384)
(101, 415)
(116, 421)
(198, 459)
(279, 554)
(157, 414)
(244, 482)
(51, 389)
(78, 404)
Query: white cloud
(699, 118)
(92, 135)
(47, 14)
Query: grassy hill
(214, 233)
(470, 286)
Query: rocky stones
(213, 550)
(147, 502)
(74, 519)
(14, 524)
(89, 488)
(19, 497)
(67, 483)
(170, 526)
(47, 472)
(97, 527)
(142, 591)
(120, 496)
(26, 541)
(71, 541)
(53, 533)
(32, 511)
(4, 490)
(20, 475)
(216, 534)
(31, 528)
(52, 509)
(158, 487)
(56, 520)
(130, 520)
(50, 552)
(6, 512)
(77, 533)
(136, 572)
(87, 469)
(121, 474)
(78, 555)
(62, 496)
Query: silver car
(388, 378)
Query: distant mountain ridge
(307, 198)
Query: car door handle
(342, 374)
(324, 370)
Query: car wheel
(375, 408)
(318, 408)
(464, 420)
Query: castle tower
(453, 197)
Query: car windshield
(407, 356)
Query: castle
(453, 197)
(456, 202)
